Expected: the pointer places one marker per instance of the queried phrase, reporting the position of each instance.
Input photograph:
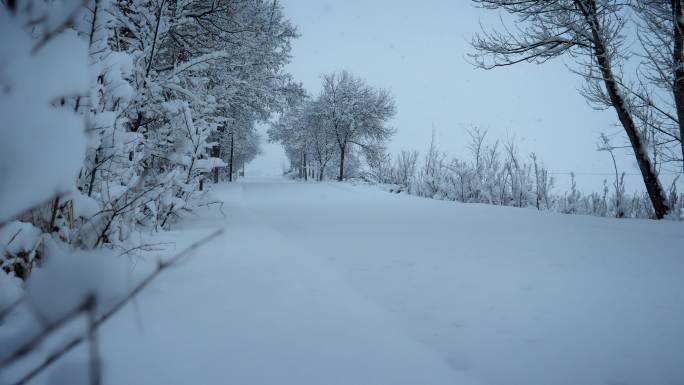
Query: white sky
(418, 50)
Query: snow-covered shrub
(112, 111)
(43, 146)
(169, 87)
(503, 178)
(42, 143)
(117, 111)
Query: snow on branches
(346, 116)
(112, 112)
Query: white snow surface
(331, 283)
(30, 85)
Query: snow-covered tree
(348, 119)
(357, 113)
(42, 141)
(307, 138)
(164, 86)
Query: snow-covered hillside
(331, 283)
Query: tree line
(115, 115)
(168, 94)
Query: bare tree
(589, 31)
(406, 167)
(660, 31)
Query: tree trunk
(300, 167)
(678, 61)
(230, 165)
(342, 151)
(655, 190)
(216, 154)
(306, 170)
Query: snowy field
(329, 283)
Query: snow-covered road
(330, 283)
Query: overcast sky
(418, 50)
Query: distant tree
(356, 113)
(293, 132)
(348, 113)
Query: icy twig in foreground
(98, 321)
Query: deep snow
(331, 283)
